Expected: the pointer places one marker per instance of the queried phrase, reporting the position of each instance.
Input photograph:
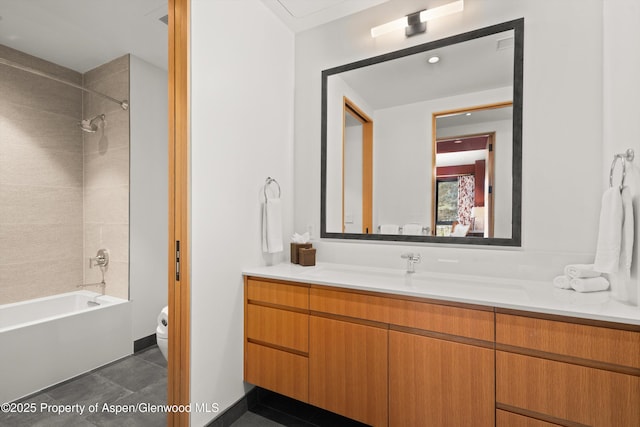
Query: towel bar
(625, 157)
(267, 182)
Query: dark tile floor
(141, 377)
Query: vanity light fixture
(415, 23)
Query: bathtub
(48, 340)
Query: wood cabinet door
(348, 369)
(439, 383)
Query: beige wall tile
(107, 170)
(28, 165)
(40, 93)
(20, 204)
(22, 125)
(24, 281)
(106, 205)
(39, 243)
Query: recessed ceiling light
(468, 114)
(434, 59)
(457, 141)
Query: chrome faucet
(101, 260)
(412, 260)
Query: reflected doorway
(357, 170)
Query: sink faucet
(412, 260)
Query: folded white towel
(272, 226)
(580, 271)
(562, 282)
(412, 229)
(609, 232)
(592, 284)
(389, 229)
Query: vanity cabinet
(566, 371)
(277, 337)
(399, 361)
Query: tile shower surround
(106, 176)
(50, 178)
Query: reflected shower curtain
(466, 191)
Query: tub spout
(103, 286)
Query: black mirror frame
(516, 198)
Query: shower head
(90, 125)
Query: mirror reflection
(472, 164)
(424, 144)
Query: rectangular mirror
(424, 144)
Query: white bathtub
(48, 340)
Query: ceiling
(82, 34)
(300, 15)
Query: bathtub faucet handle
(101, 259)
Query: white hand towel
(580, 271)
(592, 284)
(562, 282)
(412, 229)
(272, 226)
(610, 232)
(626, 247)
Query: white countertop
(526, 295)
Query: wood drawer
(590, 396)
(278, 371)
(285, 294)
(443, 319)
(509, 419)
(618, 347)
(281, 328)
(351, 304)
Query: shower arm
(123, 104)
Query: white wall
(148, 198)
(562, 130)
(621, 91)
(241, 132)
(353, 179)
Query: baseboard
(143, 343)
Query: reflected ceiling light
(415, 23)
(434, 59)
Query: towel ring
(268, 181)
(625, 157)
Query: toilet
(162, 332)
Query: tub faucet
(103, 285)
(412, 260)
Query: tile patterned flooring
(142, 378)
